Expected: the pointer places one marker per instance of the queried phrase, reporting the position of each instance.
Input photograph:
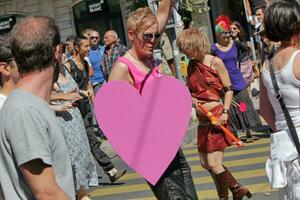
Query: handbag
(287, 116)
(246, 68)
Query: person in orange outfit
(208, 81)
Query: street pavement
(247, 164)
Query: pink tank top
(139, 77)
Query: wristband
(225, 111)
(227, 89)
(249, 18)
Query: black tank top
(80, 76)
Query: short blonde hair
(195, 42)
(141, 19)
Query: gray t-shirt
(29, 130)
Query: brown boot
(238, 191)
(222, 185)
(214, 178)
(82, 194)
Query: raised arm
(248, 12)
(163, 14)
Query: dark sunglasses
(149, 36)
(227, 33)
(94, 38)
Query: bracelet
(225, 111)
(249, 18)
(227, 89)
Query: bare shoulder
(217, 63)
(296, 69)
(119, 72)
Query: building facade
(71, 16)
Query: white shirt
(289, 87)
(2, 100)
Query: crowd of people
(48, 130)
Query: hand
(65, 107)
(72, 96)
(91, 95)
(222, 120)
(85, 93)
(252, 22)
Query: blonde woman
(138, 68)
(208, 80)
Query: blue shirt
(95, 57)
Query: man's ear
(57, 52)
(4, 68)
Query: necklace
(134, 56)
(140, 61)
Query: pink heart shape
(145, 130)
(243, 107)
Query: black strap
(284, 109)
(144, 81)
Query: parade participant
(227, 50)
(38, 166)
(207, 80)
(78, 68)
(9, 74)
(250, 6)
(244, 61)
(283, 167)
(138, 66)
(83, 165)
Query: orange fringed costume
(205, 85)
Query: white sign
(95, 7)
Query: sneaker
(249, 140)
(115, 174)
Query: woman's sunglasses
(149, 36)
(227, 33)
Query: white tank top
(289, 87)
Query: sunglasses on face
(226, 33)
(94, 37)
(149, 36)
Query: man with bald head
(34, 162)
(113, 50)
